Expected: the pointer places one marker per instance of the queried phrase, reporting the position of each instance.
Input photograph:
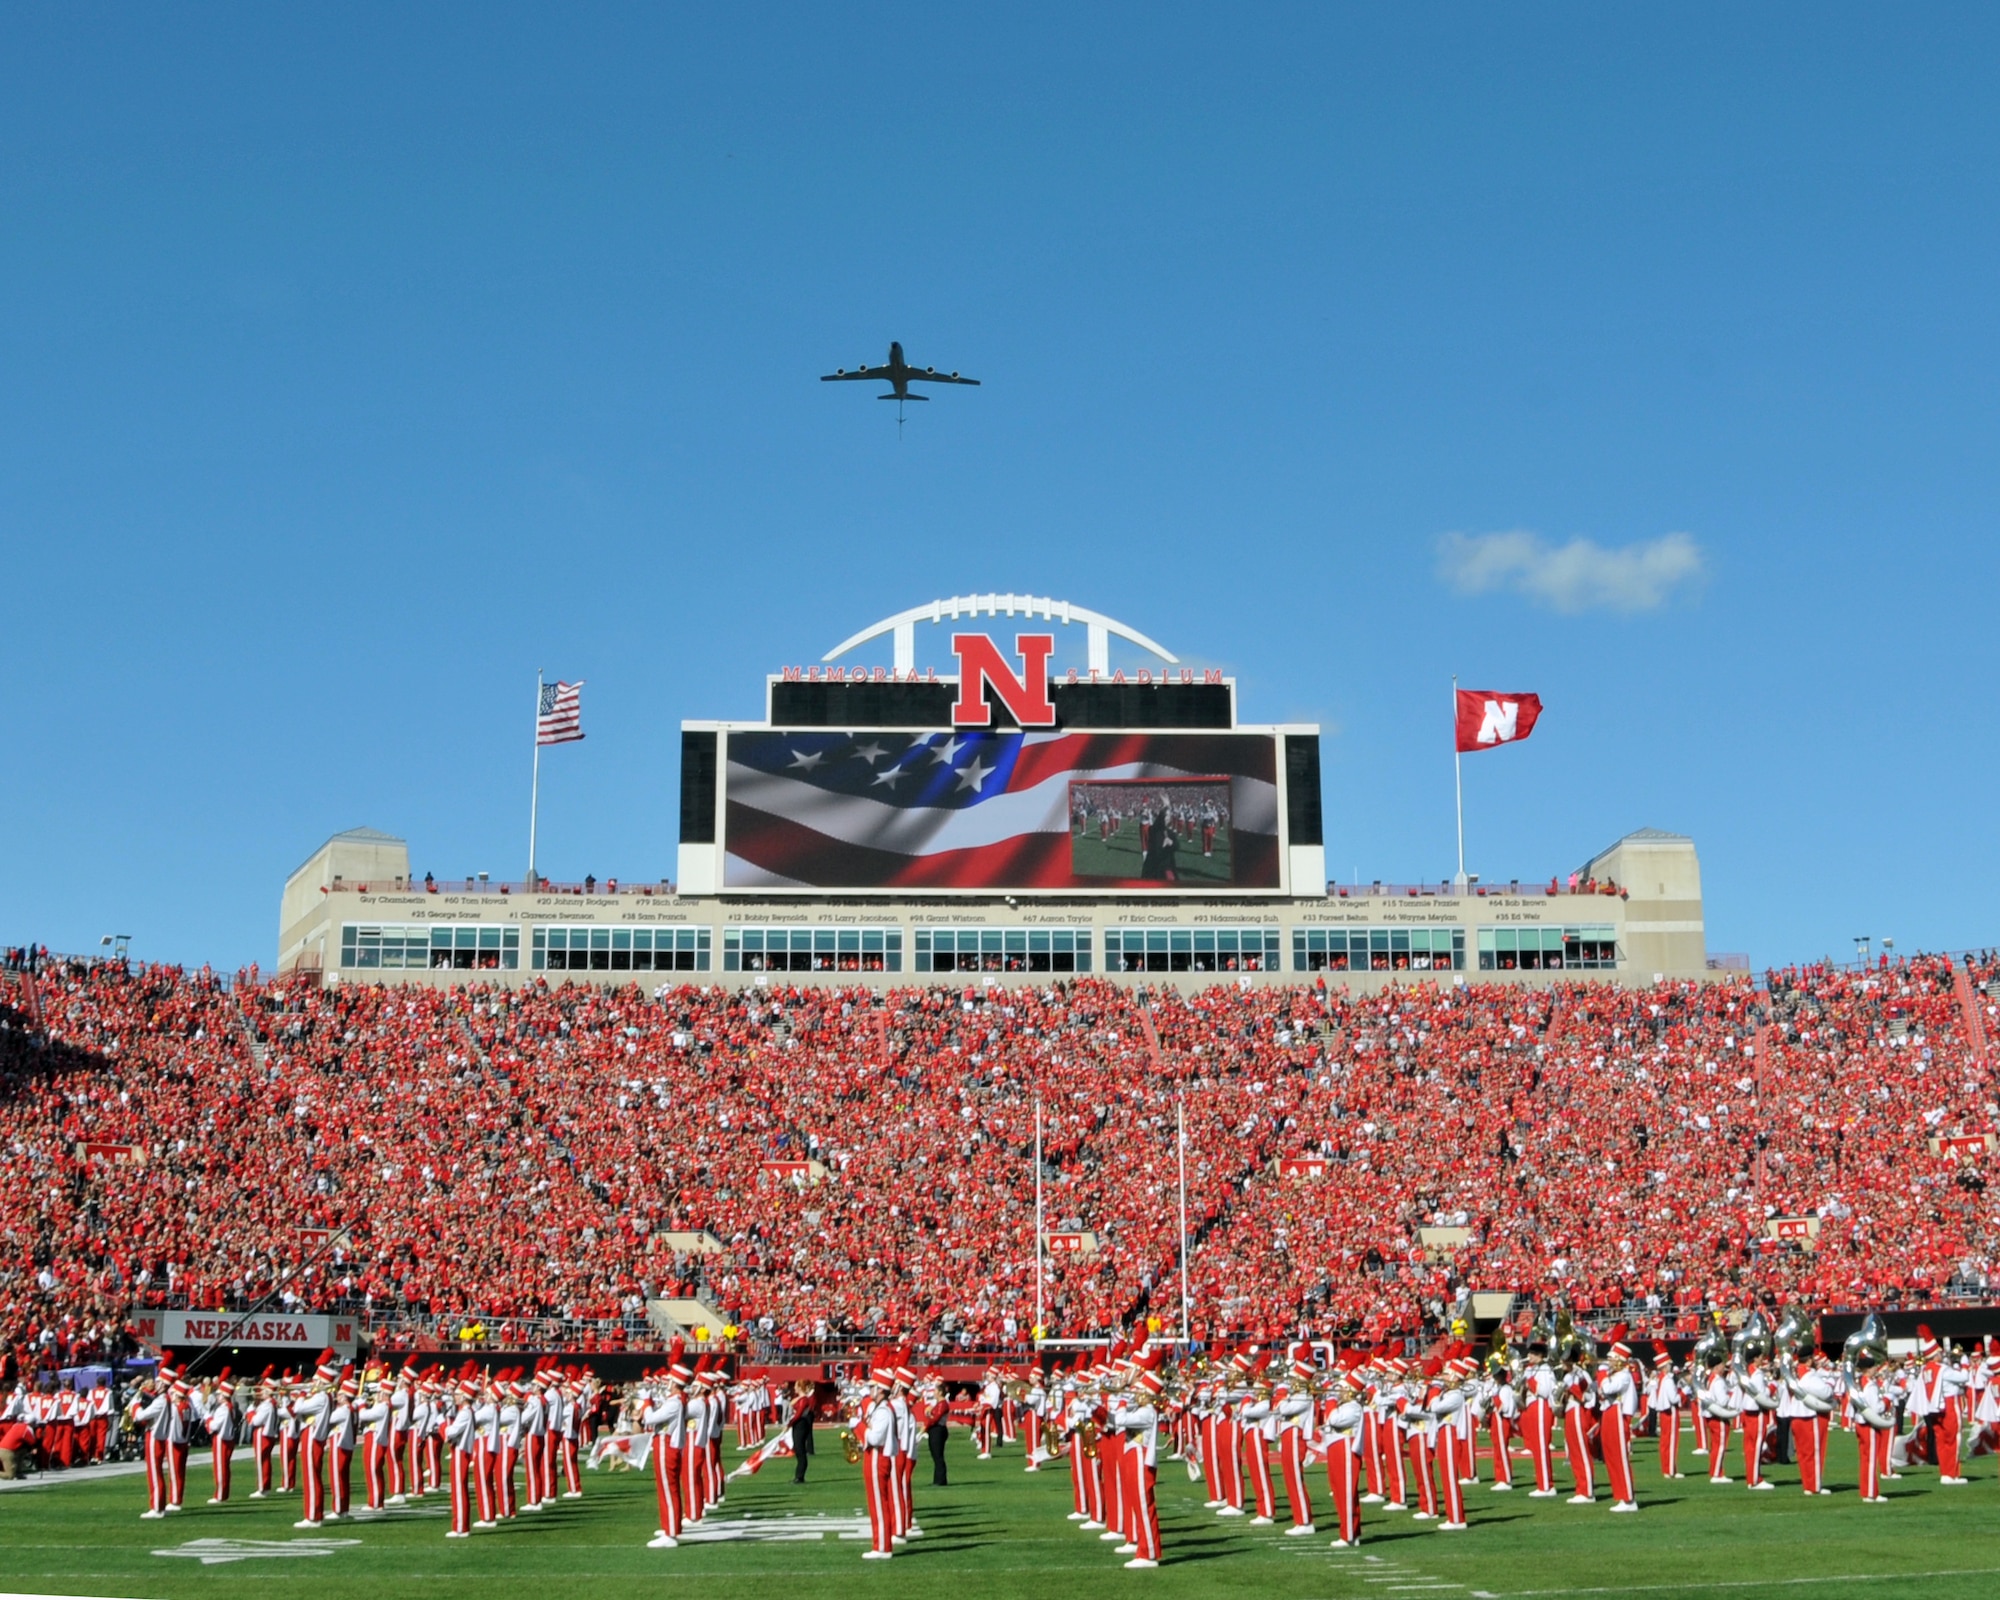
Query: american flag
(964, 810)
(559, 717)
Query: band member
(153, 1417)
(371, 1421)
(1758, 1397)
(1295, 1408)
(1618, 1392)
(314, 1414)
(262, 1424)
(1937, 1404)
(1805, 1398)
(1665, 1395)
(1136, 1416)
(1538, 1424)
(1719, 1405)
(461, 1434)
(1259, 1424)
(486, 1453)
(1579, 1402)
(1503, 1417)
(934, 1422)
(1342, 1434)
(1444, 1412)
(666, 1416)
(340, 1441)
(402, 1405)
(876, 1430)
(1874, 1421)
(224, 1425)
(804, 1403)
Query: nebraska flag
(1487, 718)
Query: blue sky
(355, 364)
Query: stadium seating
(500, 1155)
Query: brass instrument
(1866, 1346)
(1752, 1341)
(1017, 1390)
(1711, 1349)
(850, 1446)
(1086, 1438)
(1796, 1338)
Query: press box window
(621, 949)
(1003, 950)
(468, 949)
(812, 950)
(1378, 949)
(1592, 948)
(1191, 950)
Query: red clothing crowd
(497, 1153)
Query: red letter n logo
(980, 664)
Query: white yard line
(1740, 1583)
(49, 1480)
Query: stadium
(996, 1142)
(843, 836)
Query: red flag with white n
(1488, 718)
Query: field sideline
(997, 1531)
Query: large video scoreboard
(1028, 781)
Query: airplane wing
(928, 376)
(878, 375)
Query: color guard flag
(1487, 718)
(559, 713)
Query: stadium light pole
(1041, 1233)
(1181, 1143)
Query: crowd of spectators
(444, 1157)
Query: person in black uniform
(805, 1403)
(1160, 846)
(936, 1420)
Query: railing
(1445, 889)
(496, 886)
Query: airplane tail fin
(902, 397)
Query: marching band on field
(1394, 1432)
(417, 1431)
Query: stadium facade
(1011, 819)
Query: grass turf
(998, 1531)
(1120, 856)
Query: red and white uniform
(1618, 1395)
(1805, 1400)
(667, 1418)
(1666, 1396)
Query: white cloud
(1579, 576)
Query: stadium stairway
(253, 1041)
(680, 1318)
(1969, 1011)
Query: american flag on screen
(559, 716)
(962, 810)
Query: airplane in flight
(899, 375)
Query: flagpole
(1041, 1233)
(1458, 780)
(1180, 1129)
(535, 787)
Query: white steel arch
(903, 625)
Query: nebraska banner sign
(279, 1330)
(1301, 1166)
(1962, 1144)
(1073, 1244)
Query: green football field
(1119, 856)
(997, 1531)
